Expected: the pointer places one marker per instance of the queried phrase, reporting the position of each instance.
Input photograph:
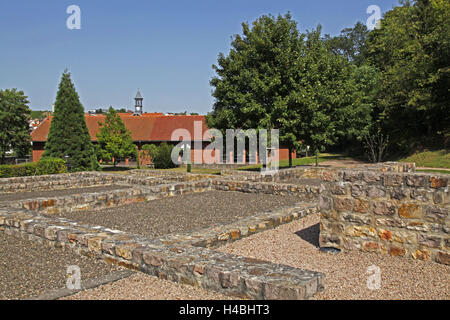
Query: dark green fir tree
(69, 135)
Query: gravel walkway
(296, 244)
(28, 269)
(144, 287)
(182, 213)
(57, 193)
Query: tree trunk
(290, 157)
(317, 158)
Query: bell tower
(138, 104)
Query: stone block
(392, 180)
(338, 189)
(399, 193)
(325, 202)
(438, 182)
(443, 257)
(343, 204)
(429, 241)
(416, 181)
(361, 206)
(383, 208)
(371, 246)
(397, 251)
(375, 192)
(357, 190)
(410, 211)
(352, 176)
(436, 214)
(421, 254)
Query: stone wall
(107, 199)
(401, 214)
(140, 189)
(312, 172)
(184, 258)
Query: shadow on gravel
(310, 234)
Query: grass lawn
(300, 161)
(432, 159)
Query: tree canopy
(69, 135)
(275, 77)
(114, 139)
(412, 52)
(391, 83)
(14, 116)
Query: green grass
(432, 159)
(299, 161)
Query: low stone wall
(102, 200)
(184, 258)
(141, 190)
(179, 262)
(400, 214)
(312, 172)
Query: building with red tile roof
(145, 128)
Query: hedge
(43, 167)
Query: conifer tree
(69, 135)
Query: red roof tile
(147, 127)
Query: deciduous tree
(114, 139)
(14, 116)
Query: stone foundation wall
(229, 274)
(311, 172)
(183, 258)
(401, 214)
(102, 200)
(140, 189)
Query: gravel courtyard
(182, 213)
(28, 269)
(296, 244)
(57, 193)
(144, 287)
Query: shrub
(44, 166)
(150, 150)
(51, 166)
(162, 159)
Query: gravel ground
(144, 287)
(182, 213)
(296, 244)
(57, 193)
(28, 269)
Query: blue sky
(165, 48)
